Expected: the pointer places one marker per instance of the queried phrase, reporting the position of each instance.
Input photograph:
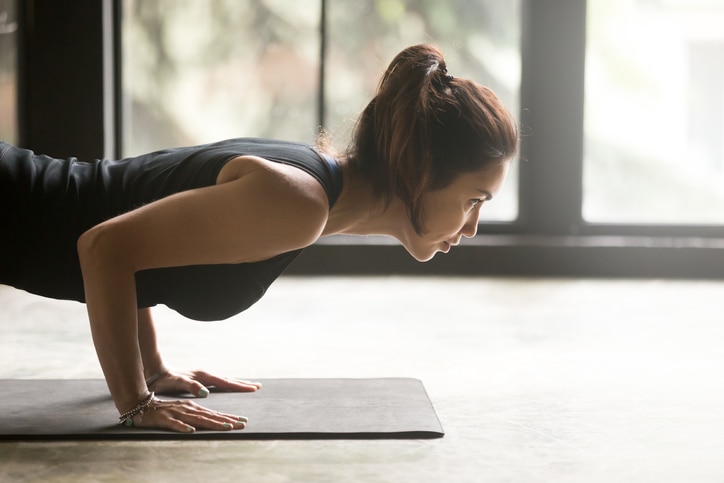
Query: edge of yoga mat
(374, 408)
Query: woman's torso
(48, 203)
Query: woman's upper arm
(264, 212)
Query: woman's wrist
(151, 379)
(138, 410)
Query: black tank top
(47, 203)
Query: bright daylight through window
(654, 112)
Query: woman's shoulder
(298, 193)
(315, 160)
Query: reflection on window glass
(8, 71)
(654, 112)
(201, 71)
(480, 40)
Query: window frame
(549, 236)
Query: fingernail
(243, 419)
(240, 424)
(190, 429)
(227, 425)
(203, 392)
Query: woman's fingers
(225, 383)
(196, 382)
(187, 417)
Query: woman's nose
(470, 228)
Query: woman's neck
(360, 211)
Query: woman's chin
(423, 255)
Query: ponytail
(424, 127)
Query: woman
(206, 229)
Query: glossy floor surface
(533, 380)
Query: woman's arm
(110, 291)
(264, 212)
(148, 344)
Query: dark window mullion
(118, 94)
(61, 73)
(321, 118)
(551, 167)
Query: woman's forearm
(111, 302)
(147, 342)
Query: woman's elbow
(94, 246)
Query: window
(201, 71)
(8, 71)
(620, 103)
(196, 72)
(654, 112)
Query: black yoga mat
(385, 408)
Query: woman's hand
(196, 383)
(185, 417)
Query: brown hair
(424, 127)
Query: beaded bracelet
(139, 409)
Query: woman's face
(452, 212)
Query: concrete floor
(533, 380)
